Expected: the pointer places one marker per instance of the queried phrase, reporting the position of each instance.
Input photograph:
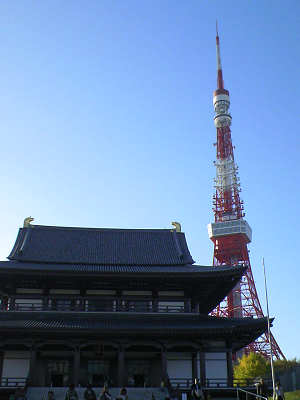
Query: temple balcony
(83, 305)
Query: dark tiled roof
(147, 269)
(241, 331)
(52, 244)
(127, 321)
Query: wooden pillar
(121, 366)
(119, 300)
(1, 363)
(82, 299)
(202, 368)
(76, 365)
(5, 303)
(229, 368)
(164, 373)
(12, 303)
(187, 305)
(155, 301)
(195, 372)
(45, 299)
(32, 367)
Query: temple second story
(115, 270)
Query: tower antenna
(230, 232)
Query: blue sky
(106, 120)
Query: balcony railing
(85, 306)
(212, 383)
(13, 382)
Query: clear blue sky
(107, 121)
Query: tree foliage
(284, 365)
(250, 366)
(255, 365)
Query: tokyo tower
(230, 232)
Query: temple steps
(41, 393)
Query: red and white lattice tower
(230, 232)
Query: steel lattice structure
(230, 232)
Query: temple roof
(93, 246)
(175, 270)
(240, 331)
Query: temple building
(126, 306)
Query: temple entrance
(138, 371)
(98, 372)
(57, 380)
(139, 380)
(58, 371)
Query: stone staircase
(41, 393)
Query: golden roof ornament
(177, 226)
(27, 222)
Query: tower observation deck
(230, 232)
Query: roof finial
(177, 226)
(27, 222)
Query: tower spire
(230, 232)
(220, 82)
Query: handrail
(257, 396)
(85, 307)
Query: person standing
(279, 394)
(50, 395)
(105, 395)
(196, 390)
(71, 393)
(261, 388)
(89, 393)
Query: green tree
(250, 366)
(284, 365)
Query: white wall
(16, 364)
(179, 365)
(216, 366)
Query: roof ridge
(102, 229)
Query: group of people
(262, 390)
(20, 394)
(196, 393)
(89, 394)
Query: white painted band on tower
(227, 228)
